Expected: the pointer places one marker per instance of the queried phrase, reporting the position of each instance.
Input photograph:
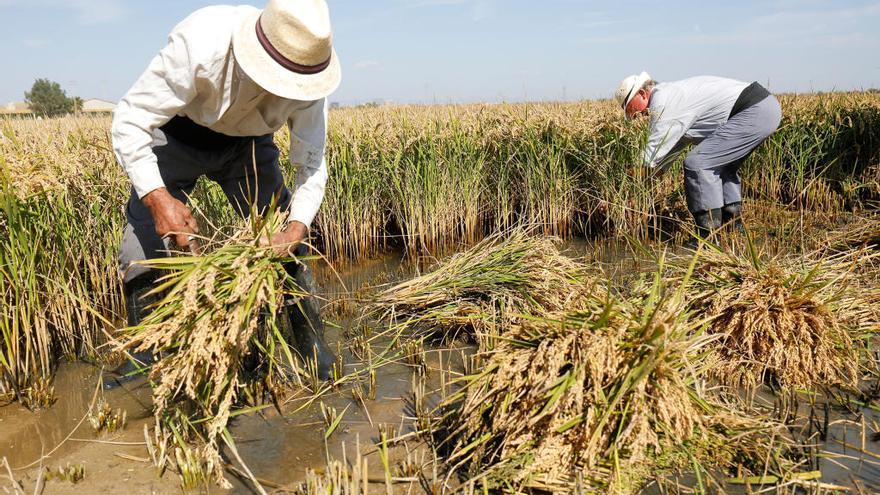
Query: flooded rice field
(356, 422)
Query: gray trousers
(180, 165)
(711, 169)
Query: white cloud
(34, 43)
(367, 64)
(85, 11)
(480, 10)
(804, 25)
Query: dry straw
(862, 231)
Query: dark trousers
(247, 171)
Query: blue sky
(477, 50)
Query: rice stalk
(59, 227)
(425, 178)
(338, 478)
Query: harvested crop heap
(776, 317)
(504, 275)
(216, 330)
(583, 390)
(593, 397)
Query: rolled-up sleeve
(159, 94)
(308, 137)
(664, 136)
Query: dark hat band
(626, 100)
(284, 61)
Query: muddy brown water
(280, 447)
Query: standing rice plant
(339, 478)
(436, 189)
(549, 187)
(29, 347)
(574, 168)
(216, 331)
(61, 222)
(353, 217)
(618, 194)
(60, 292)
(824, 143)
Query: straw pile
(215, 328)
(474, 291)
(777, 318)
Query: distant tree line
(47, 99)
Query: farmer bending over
(208, 104)
(726, 119)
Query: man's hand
(171, 216)
(285, 242)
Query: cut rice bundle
(215, 328)
(600, 397)
(777, 318)
(579, 389)
(504, 275)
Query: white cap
(629, 87)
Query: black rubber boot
(707, 222)
(306, 324)
(731, 217)
(136, 303)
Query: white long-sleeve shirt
(195, 75)
(687, 110)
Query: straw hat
(629, 87)
(287, 49)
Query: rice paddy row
(427, 178)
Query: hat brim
(271, 76)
